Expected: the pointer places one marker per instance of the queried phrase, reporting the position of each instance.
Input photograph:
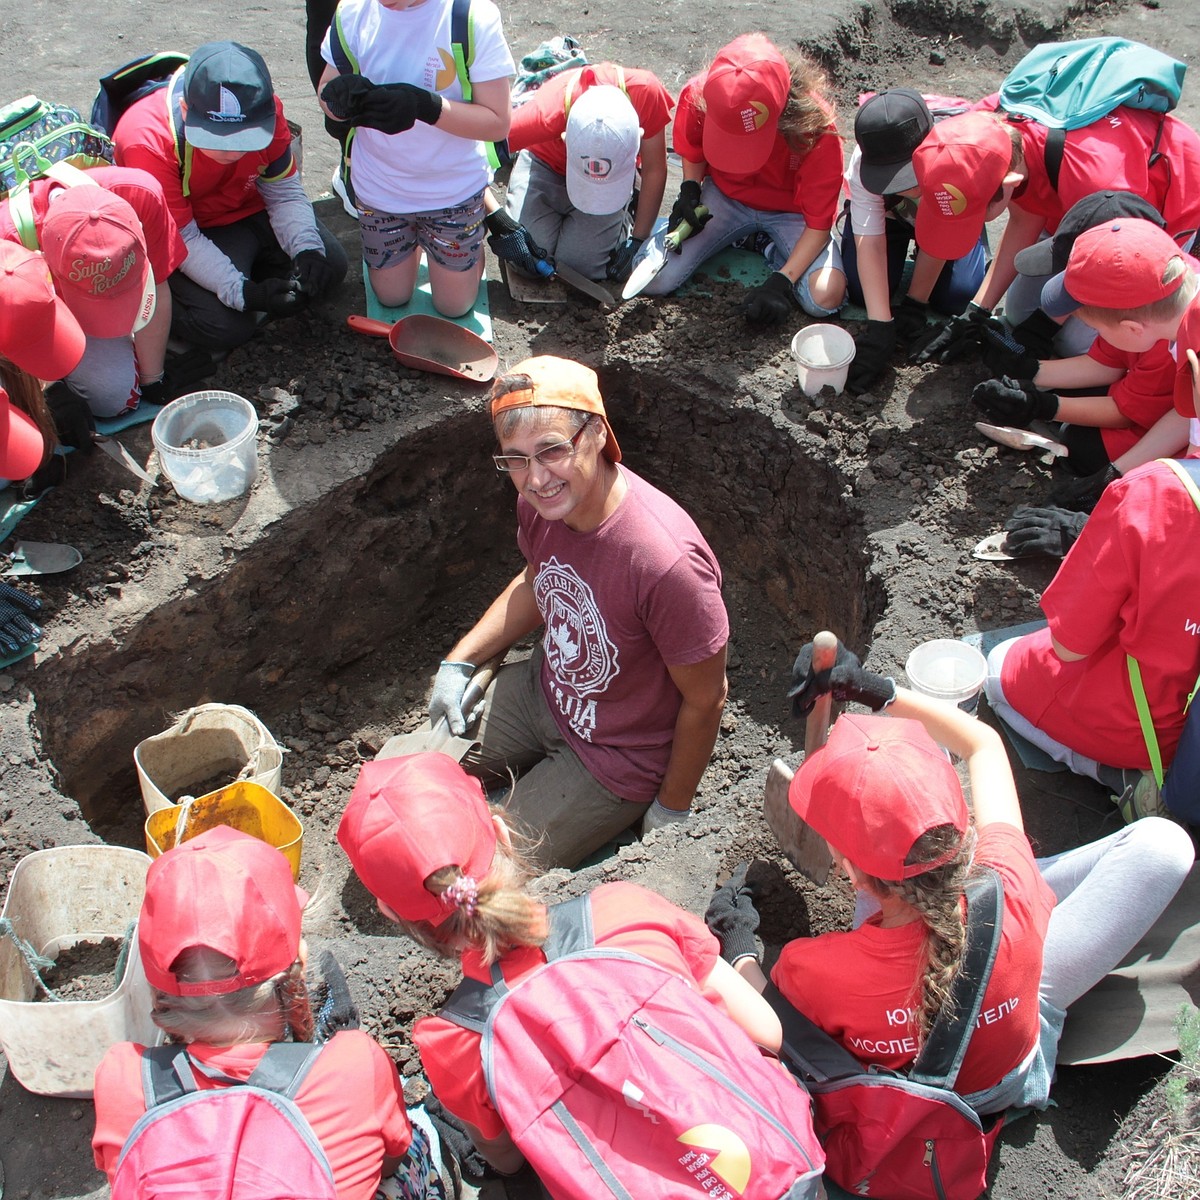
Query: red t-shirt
(621, 603)
(351, 1097)
(1187, 337)
(808, 184)
(140, 191)
(539, 123)
(218, 193)
(1142, 394)
(624, 917)
(1130, 585)
(860, 986)
(1113, 153)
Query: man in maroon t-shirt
(615, 716)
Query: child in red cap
(422, 838)
(219, 936)
(975, 166)
(889, 803)
(761, 152)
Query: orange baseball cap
(745, 91)
(556, 383)
(959, 167)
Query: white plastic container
(56, 898)
(823, 355)
(947, 670)
(206, 742)
(207, 445)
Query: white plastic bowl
(947, 670)
(823, 355)
(207, 445)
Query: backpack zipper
(930, 1160)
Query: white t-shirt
(424, 168)
(867, 213)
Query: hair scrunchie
(463, 895)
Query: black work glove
(510, 241)
(1004, 355)
(455, 1138)
(73, 420)
(16, 629)
(959, 335)
(1049, 531)
(1014, 401)
(314, 273)
(1037, 333)
(279, 297)
(333, 1008)
(684, 209)
(911, 318)
(621, 259)
(1083, 494)
(772, 302)
(872, 352)
(396, 107)
(183, 371)
(847, 679)
(344, 96)
(732, 917)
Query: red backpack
(906, 1136)
(615, 1078)
(245, 1141)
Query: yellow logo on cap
(449, 72)
(755, 115)
(731, 1160)
(950, 200)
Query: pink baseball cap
(409, 817)
(745, 91)
(96, 250)
(1119, 264)
(959, 167)
(874, 788)
(229, 892)
(22, 446)
(37, 330)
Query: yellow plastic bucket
(246, 806)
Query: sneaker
(1141, 798)
(339, 190)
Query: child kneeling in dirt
(886, 798)
(445, 866)
(219, 935)
(418, 168)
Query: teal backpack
(1067, 85)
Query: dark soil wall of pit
(380, 576)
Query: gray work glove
(445, 702)
(658, 815)
(732, 917)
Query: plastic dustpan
(428, 343)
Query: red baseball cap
(1119, 264)
(37, 331)
(409, 817)
(230, 892)
(959, 167)
(874, 788)
(745, 91)
(22, 446)
(96, 250)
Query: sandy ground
(374, 535)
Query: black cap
(888, 128)
(1049, 256)
(230, 100)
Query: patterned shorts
(451, 237)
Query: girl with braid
(884, 795)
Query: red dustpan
(432, 344)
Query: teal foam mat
(478, 320)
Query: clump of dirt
(86, 970)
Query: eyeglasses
(551, 456)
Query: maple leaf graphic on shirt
(567, 647)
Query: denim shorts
(452, 237)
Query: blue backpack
(1067, 85)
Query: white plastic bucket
(947, 670)
(207, 445)
(207, 742)
(56, 898)
(823, 355)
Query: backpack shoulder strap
(1055, 149)
(173, 94)
(571, 928)
(806, 1046)
(461, 43)
(945, 1048)
(166, 1074)
(285, 1066)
